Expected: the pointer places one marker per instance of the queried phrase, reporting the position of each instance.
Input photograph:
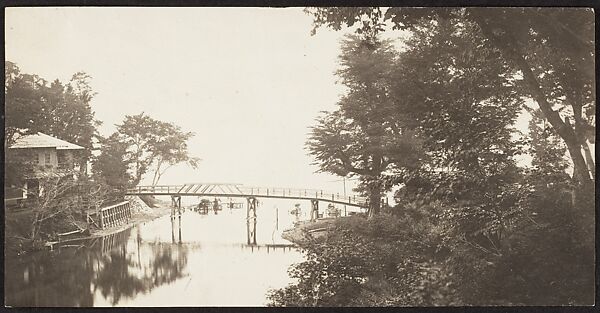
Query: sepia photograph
(299, 156)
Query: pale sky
(248, 81)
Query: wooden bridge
(238, 190)
(250, 193)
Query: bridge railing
(241, 190)
(156, 189)
(303, 193)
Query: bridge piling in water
(176, 204)
(251, 219)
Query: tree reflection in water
(111, 265)
(123, 274)
(45, 279)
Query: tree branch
(503, 41)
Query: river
(197, 260)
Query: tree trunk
(34, 227)
(375, 199)
(577, 105)
(564, 130)
(374, 204)
(154, 179)
(589, 160)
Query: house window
(62, 159)
(47, 159)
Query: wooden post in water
(176, 201)
(251, 220)
(179, 207)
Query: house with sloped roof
(46, 157)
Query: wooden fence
(113, 215)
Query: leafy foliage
(471, 227)
(66, 113)
(150, 143)
(110, 166)
(359, 138)
(382, 261)
(463, 105)
(551, 48)
(57, 109)
(22, 103)
(61, 110)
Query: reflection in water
(179, 228)
(39, 283)
(122, 274)
(211, 258)
(70, 276)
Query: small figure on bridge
(216, 205)
(203, 206)
(332, 211)
(230, 204)
(296, 210)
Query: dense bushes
(385, 260)
(422, 253)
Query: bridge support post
(251, 220)
(314, 212)
(176, 204)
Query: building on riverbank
(38, 156)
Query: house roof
(41, 140)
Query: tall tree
(32, 105)
(22, 111)
(111, 166)
(552, 48)
(66, 113)
(57, 109)
(463, 104)
(359, 138)
(152, 143)
(22, 103)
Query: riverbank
(143, 211)
(17, 244)
(305, 231)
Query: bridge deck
(236, 190)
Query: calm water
(200, 260)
